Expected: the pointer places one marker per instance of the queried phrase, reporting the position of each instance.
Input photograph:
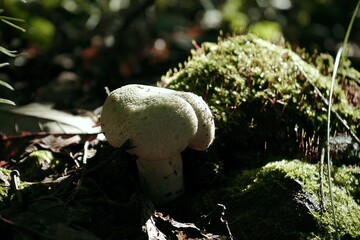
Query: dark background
(72, 49)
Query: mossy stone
(283, 201)
(268, 100)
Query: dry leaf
(37, 117)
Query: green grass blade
(333, 78)
(5, 84)
(12, 19)
(7, 101)
(13, 25)
(8, 52)
(348, 31)
(3, 64)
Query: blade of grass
(12, 19)
(13, 25)
(4, 64)
(336, 66)
(7, 52)
(5, 84)
(348, 31)
(7, 101)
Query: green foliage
(4, 187)
(42, 31)
(282, 200)
(348, 179)
(11, 21)
(38, 165)
(307, 23)
(251, 84)
(346, 209)
(267, 30)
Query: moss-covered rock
(283, 201)
(307, 175)
(348, 178)
(268, 101)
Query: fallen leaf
(56, 143)
(38, 117)
(162, 227)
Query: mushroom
(159, 123)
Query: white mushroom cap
(206, 126)
(158, 123)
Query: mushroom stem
(161, 180)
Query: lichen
(251, 84)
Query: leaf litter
(76, 186)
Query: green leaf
(5, 84)
(7, 101)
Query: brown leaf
(162, 227)
(56, 143)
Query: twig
(14, 184)
(225, 221)
(82, 174)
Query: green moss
(38, 165)
(307, 175)
(282, 200)
(251, 84)
(4, 187)
(266, 30)
(348, 178)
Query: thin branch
(225, 221)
